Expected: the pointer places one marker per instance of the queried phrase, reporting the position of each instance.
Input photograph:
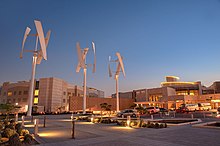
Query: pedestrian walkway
(58, 133)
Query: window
(64, 93)
(64, 100)
(19, 93)
(24, 99)
(14, 92)
(36, 92)
(35, 100)
(9, 93)
(4, 93)
(25, 92)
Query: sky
(156, 38)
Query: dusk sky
(155, 37)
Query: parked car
(163, 110)
(127, 112)
(152, 110)
(182, 110)
(204, 106)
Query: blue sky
(155, 37)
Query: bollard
(22, 123)
(128, 121)
(152, 117)
(192, 116)
(122, 116)
(204, 115)
(73, 129)
(44, 121)
(174, 114)
(16, 117)
(36, 122)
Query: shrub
(144, 125)
(14, 140)
(161, 125)
(9, 132)
(139, 124)
(24, 132)
(151, 125)
(28, 139)
(157, 125)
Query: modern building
(50, 94)
(174, 92)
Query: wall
(93, 103)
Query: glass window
(9, 93)
(35, 100)
(25, 92)
(14, 92)
(64, 100)
(36, 92)
(19, 93)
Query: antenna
(82, 64)
(38, 55)
(120, 66)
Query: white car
(152, 109)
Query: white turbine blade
(118, 69)
(109, 71)
(94, 64)
(41, 38)
(27, 31)
(109, 58)
(78, 68)
(47, 38)
(121, 63)
(80, 57)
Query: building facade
(50, 94)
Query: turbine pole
(84, 91)
(117, 96)
(31, 87)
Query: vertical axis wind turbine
(38, 55)
(120, 67)
(82, 64)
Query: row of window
(10, 93)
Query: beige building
(173, 93)
(50, 94)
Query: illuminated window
(9, 93)
(36, 92)
(35, 100)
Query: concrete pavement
(58, 132)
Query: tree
(105, 107)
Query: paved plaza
(58, 132)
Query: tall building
(50, 94)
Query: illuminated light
(35, 100)
(16, 103)
(10, 93)
(173, 77)
(178, 83)
(123, 128)
(36, 92)
(215, 100)
(50, 134)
